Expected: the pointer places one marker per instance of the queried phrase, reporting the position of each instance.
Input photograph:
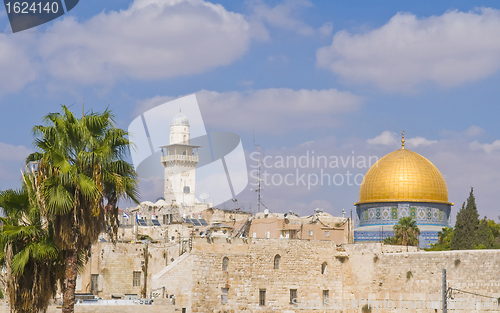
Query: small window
(223, 297)
(293, 295)
(327, 233)
(225, 264)
(310, 233)
(277, 259)
(326, 295)
(136, 282)
(323, 268)
(94, 283)
(262, 297)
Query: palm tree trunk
(71, 272)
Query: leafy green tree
(465, 234)
(444, 240)
(27, 251)
(82, 173)
(495, 230)
(484, 236)
(406, 233)
(392, 241)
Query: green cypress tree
(466, 227)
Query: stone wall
(417, 276)
(115, 265)
(353, 272)
(251, 269)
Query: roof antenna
(403, 139)
(259, 188)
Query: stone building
(318, 226)
(402, 184)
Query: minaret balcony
(180, 157)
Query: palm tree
(408, 231)
(80, 166)
(27, 251)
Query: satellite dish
(204, 196)
(285, 215)
(266, 211)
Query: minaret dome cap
(180, 119)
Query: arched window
(277, 259)
(225, 264)
(323, 268)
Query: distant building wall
(324, 227)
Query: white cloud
(387, 138)
(419, 141)
(486, 147)
(326, 29)
(247, 83)
(448, 50)
(10, 152)
(276, 110)
(283, 16)
(16, 67)
(151, 39)
(11, 163)
(273, 110)
(473, 131)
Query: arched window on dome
(323, 268)
(225, 264)
(277, 259)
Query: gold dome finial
(403, 139)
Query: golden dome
(403, 175)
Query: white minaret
(179, 159)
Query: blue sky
(334, 77)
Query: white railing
(180, 157)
